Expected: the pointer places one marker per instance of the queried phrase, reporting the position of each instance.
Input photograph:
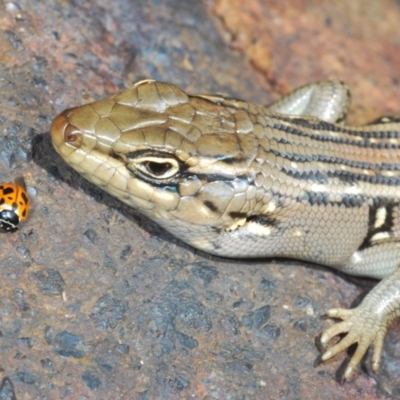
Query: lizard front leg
(326, 100)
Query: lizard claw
(361, 326)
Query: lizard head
(184, 161)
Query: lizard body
(241, 180)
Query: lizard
(241, 180)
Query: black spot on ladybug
(8, 190)
(24, 197)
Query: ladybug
(14, 204)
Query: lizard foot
(363, 327)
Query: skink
(237, 179)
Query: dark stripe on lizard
(301, 158)
(364, 143)
(387, 226)
(327, 126)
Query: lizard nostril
(62, 132)
(73, 136)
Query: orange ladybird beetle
(14, 204)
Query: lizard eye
(158, 169)
(155, 168)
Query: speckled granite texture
(97, 302)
